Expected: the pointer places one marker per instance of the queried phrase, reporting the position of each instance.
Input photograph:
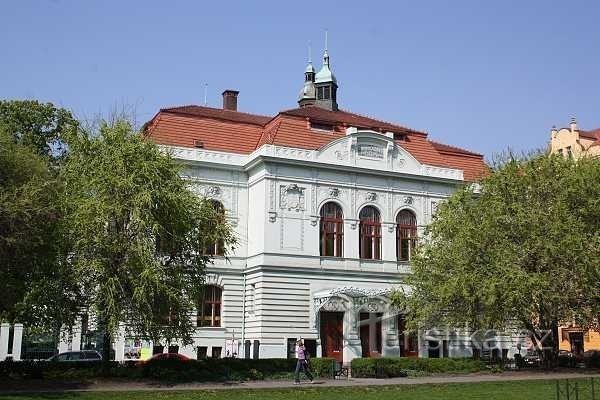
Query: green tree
(136, 233)
(41, 126)
(524, 251)
(35, 289)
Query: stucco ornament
(372, 307)
(213, 191)
(371, 196)
(334, 192)
(272, 216)
(341, 155)
(408, 200)
(292, 197)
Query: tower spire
(325, 54)
(307, 93)
(325, 82)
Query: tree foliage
(525, 251)
(35, 289)
(136, 233)
(42, 127)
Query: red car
(167, 356)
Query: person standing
(302, 357)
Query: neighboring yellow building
(572, 142)
(577, 340)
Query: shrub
(168, 370)
(399, 366)
(322, 367)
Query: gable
(369, 149)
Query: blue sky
(481, 75)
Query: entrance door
(370, 334)
(576, 339)
(332, 334)
(409, 343)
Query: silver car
(77, 356)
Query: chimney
(230, 99)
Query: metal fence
(579, 389)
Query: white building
(326, 205)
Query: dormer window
(400, 137)
(321, 127)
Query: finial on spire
(309, 53)
(325, 55)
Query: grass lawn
(519, 390)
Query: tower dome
(325, 74)
(308, 93)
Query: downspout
(244, 315)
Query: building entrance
(370, 334)
(332, 334)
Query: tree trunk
(555, 344)
(106, 350)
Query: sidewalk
(12, 387)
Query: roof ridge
(460, 149)
(385, 122)
(175, 109)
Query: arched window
(332, 230)
(216, 248)
(406, 234)
(209, 309)
(370, 233)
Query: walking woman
(302, 363)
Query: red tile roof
(350, 119)
(592, 135)
(218, 113)
(232, 131)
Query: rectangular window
(291, 348)
(201, 352)
(209, 309)
(216, 352)
(370, 242)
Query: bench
(339, 370)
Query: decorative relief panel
(371, 196)
(291, 197)
(370, 150)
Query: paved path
(48, 386)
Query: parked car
(591, 358)
(566, 358)
(532, 359)
(77, 356)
